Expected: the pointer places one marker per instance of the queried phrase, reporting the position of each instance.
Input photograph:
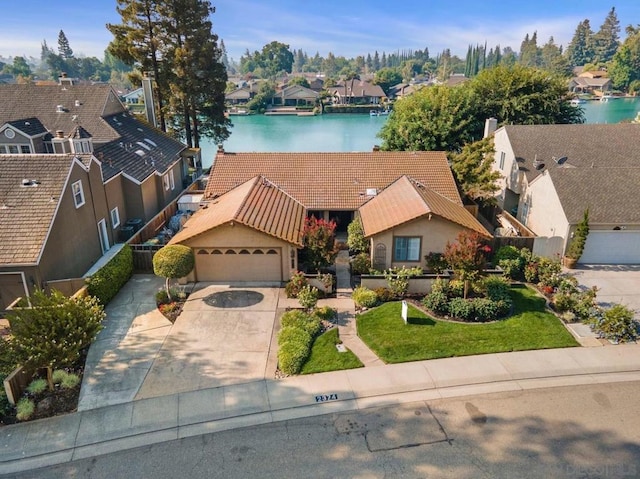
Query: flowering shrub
(319, 243)
(295, 284)
(467, 257)
(616, 323)
(308, 297)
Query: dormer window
(82, 146)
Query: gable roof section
(87, 103)
(139, 151)
(603, 146)
(611, 194)
(29, 126)
(257, 204)
(26, 212)
(333, 181)
(357, 88)
(298, 92)
(406, 200)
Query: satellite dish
(561, 160)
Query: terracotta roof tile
(26, 212)
(257, 203)
(332, 181)
(406, 200)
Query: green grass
(530, 327)
(325, 357)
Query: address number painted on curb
(327, 397)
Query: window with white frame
(502, 157)
(406, 248)
(165, 180)
(172, 180)
(78, 193)
(115, 218)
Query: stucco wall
(239, 236)
(434, 233)
(510, 171)
(115, 198)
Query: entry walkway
(346, 313)
(143, 422)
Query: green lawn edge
(531, 326)
(324, 356)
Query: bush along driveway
(531, 326)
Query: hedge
(109, 279)
(294, 346)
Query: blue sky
(349, 28)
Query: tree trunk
(166, 284)
(50, 377)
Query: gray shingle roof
(26, 212)
(87, 103)
(603, 146)
(139, 151)
(611, 194)
(29, 126)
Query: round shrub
(485, 310)
(300, 320)
(37, 386)
(325, 313)
(496, 288)
(58, 375)
(70, 381)
(461, 308)
(308, 297)
(436, 263)
(292, 334)
(364, 297)
(563, 302)
(436, 301)
(384, 295)
(616, 323)
(440, 286)
(361, 264)
(25, 409)
(291, 357)
(506, 252)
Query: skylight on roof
(143, 145)
(140, 152)
(152, 143)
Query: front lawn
(325, 357)
(530, 327)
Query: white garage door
(612, 247)
(239, 264)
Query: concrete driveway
(221, 337)
(616, 284)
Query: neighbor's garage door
(612, 247)
(239, 264)
(11, 288)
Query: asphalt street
(590, 431)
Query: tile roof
(257, 203)
(87, 103)
(26, 212)
(406, 200)
(611, 194)
(603, 146)
(139, 151)
(333, 181)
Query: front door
(104, 237)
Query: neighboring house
(133, 97)
(357, 92)
(553, 173)
(404, 89)
(250, 233)
(239, 96)
(55, 220)
(140, 169)
(256, 204)
(590, 82)
(409, 220)
(295, 95)
(456, 79)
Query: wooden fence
(16, 382)
(143, 257)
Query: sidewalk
(137, 423)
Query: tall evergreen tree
(529, 52)
(199, 78)
(137, 42)
(376, 61)
(552, 59)
(64, 49)
(625, 66)
(580, 51)
(607, 40)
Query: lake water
(352, 132)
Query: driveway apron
(221, 337)
(616, 283)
